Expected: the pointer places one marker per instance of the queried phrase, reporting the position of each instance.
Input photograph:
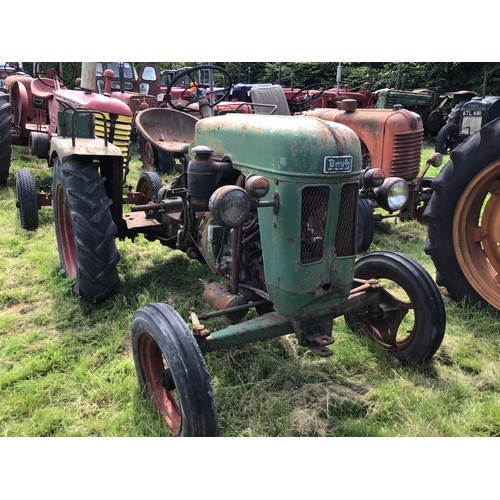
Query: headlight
(230, 206)
(256, 186)
(393, 194)
(372, 177)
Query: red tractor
(77, 131)
(122, 81)
(391, 140)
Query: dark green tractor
(269, 203)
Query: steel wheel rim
(148, 155)
(390, 294)
(153, 364)
(402, 338)
(66, 235)
(476, 234)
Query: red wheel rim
(153, 364)
(66, 235)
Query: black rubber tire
(365, 226)
(429, 317)
(466, 162)
(5, 137)
(85, 230)
(447, 139)
(159, 336)
(166, 161)
(149, 184)
(26, 199)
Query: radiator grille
(406, 155)
(346, 234)
(313, 223)
(119, 128)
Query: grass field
(66, 367)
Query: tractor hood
(280, 146)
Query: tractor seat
(169, 130)
(270, 96)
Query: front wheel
(26, 199)
(447, 139)
(85, 230)
(172, 372)
(410, 319)
(365, 227)
(149, 184)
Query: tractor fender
(63, 147)
(20, 100)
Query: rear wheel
(5, 137)
(463, 218)
(410, 320)
(172, 372)
(26, 199)
(84, 228)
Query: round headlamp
(256, 186)
(372, 177)
(393, 194)
(230, 206)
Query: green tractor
(269, 203)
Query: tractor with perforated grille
(269, 203)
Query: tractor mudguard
(64, 146)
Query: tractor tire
(26, 200)
(172, 372)
(148, 154)
(149, 184)
(365, 226)
(5, 137)
(447, 139)
(166, 162)
(411, 321)
(463, 218)
(85, 230)
(152, 158)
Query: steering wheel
(9, 70)
(300, 103)
(51, 71)
(198, 91)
